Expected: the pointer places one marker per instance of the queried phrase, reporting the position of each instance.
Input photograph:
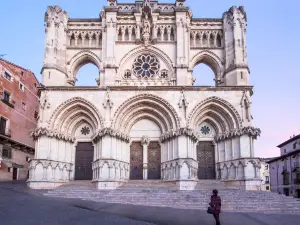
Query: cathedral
(145, 119)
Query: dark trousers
(217, 218)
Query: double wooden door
(206, 161)
(136, 161)
(83, 161)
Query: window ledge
(8, 103)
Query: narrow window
(242, 75)
(6, 153)
(49, 75)
(6, 96)
(23, 106)
(22, 73)
(21, 86)
(7, 76)
(3, 123)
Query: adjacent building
(265, 174)
(18, 117)
(285, 169)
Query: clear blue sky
(273, 42)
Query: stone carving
(146, 21)
(182, 131)
(55, 15)
(245, 105)
(183, 104)
(112, 2)
(145, 140)
(44, 107)
(111, 132)
(251, 131)
(108, 104)
(42, 131)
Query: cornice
(250, 131)
(148, 88)
(113, 133)
(42, 131)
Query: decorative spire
(112, 2)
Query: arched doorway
(83, 161)
(206, 160)
(145, 151)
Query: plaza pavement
(21, 206)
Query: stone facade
(285, 169)
(145, 53)
(18, 115)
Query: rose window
(85, 130)
(146, 66)
(205, 130)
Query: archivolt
(69, 114)
(216, 111)
(146, 106)
(82, 58)
(210, 59)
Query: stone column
(145, 144)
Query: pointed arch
(146, 106)
(68, 115)
(210, 59)
(216, 111)
(80, 59)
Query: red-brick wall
(21, 122)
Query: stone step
(157, 193)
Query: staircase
(157, 193)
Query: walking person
(215, 203)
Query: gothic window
(85, 130)
(127, 74)
(146, 66)
(164, 74)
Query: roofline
(289, 141)
(284, 156)
(22, 68)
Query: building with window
(265, 174)
(18, 117)
(285, 169)
(144, 118)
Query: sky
(273, 45)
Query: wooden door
(136, 161)
(206, 160)
(154, 161)
(15, 173)
(83, 161)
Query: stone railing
(179, 169)
(110, 170)
(42, 170)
